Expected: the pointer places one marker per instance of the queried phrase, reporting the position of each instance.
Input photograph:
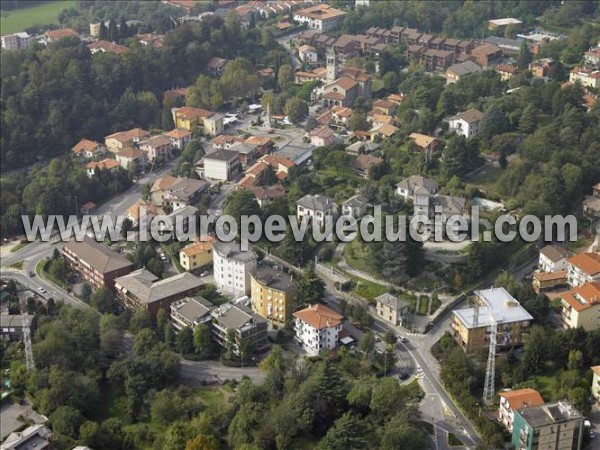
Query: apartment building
(16, 41)
(196, 255)
(247, 327)
(142, 289)
(317, 328)
(189, 119)
(511, 401)
(554, 426)
(190, 312)
(553, 258)
(272, 292)
(583, 268)
(587, 77)
(472, 326)
(97, 264)
(232, 267)
(391, 309)
(36, 437)
(581, 307)
(467, 123)
(222, 165)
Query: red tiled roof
(587, 262)
(522, 398)
(319, 317)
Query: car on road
(42, 290)
(404, 375)
(592, 435)
(404, 340)
(205, 273)
(163, 257)
(31, 274)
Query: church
(343, 86)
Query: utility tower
(29, 362)
(490, 372)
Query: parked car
(205, 273)
(42, 290)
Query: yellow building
(581, 307)
(471, 327)
(272, 292)
(196, 255)
(189, 118)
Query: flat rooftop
(550, 414)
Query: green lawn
(17, 20)
(367, 289)
(19, 246)
(453, 440)
(212, 398)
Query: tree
(144, 342)
(140, 320)
(241, 203)
(185, 341)
(402, 433)
(267, 177)
(524, 57)
(529, 120)
(460, 156)
(104, 300)
(494, 122)
(285, 76)
(295, 109)
(358, 121)
(203, 344)
(113, 32)
(103, 33)
(390, 338)
(534, 358)
(66, 420)
(311, 288)
(366, 344)
(123, 29)
(386, 398)
(348, 432)
(203, 442)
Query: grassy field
(17, 20)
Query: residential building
(543, 281)
(151, 39)
(391, 309)
(427, 144)
(511, 401)
(320, 17)
(131, 158)
(501, 24)
(88, 149)
(190, 312)
(486, 54)
(409, 187)
(103, 46)
(122, 139)
(581, 307)
(343, 86)
(97, 264)
(179, 137)
(272, 292)
(16, 41)
(322, 136)
(56, 35)
(340, 115)
(93, 167)
(12, 325)
(317, 328)
(596, 384)
(222, 165)
(537, 38)
(36, 437)
(177, 192)
(248, 153)
(266, 194)
(466, 123)
(359, 147)
(157, 148)
(189, 118)
(543, 68)
(197, 254)
(215, 66)
(363, 163)
(591, 58)
(586, 77)
(225, 141)
(456, 72)
(232, 267)
(591, 203)
(316, 208)
(356, 206)
(386, 107)
(142, 290)
(552, 426)
(471, 326)
(308, 54)
(142, 210)
(583, 268)
(383, 131)
(553, 258)
(506, 71)
(247, 327)
(509, 47)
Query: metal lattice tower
(29, 362)
(490, 373)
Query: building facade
(232, 267)
(581, 307)
(583, 268)
(511, 401)
(317, 328)
(272, 292)
(249, 330)
(316, 208)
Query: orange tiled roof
(549, 276)
(187, 112)
(596, 370)
(132, 153)
(522, 398)
(85, 145)
(422, 140)
(61, 33)
(197, 248)
(587, 262)
(583, 297)
(104, 164)
(319, 317)
(125, 136)
(163, 183)
(178, 133)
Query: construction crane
(29, 362)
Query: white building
(317, 328)
(16, 41)
(320, 17)
(553, 258)
(308, 54)
(190, 312)
(232, 268)
(586, 77)
(36, 437)
(316, 207)
(511, 401)
(583, 268)
(222, 165)
(466, 123)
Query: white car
(42, 290)
(205, 273)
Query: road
(194, 372)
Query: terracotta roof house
(157, 148)
(118, 141)
(317, 328)
(363, 163)
(88, 149)
(105, 164)
(511, 401)
(581, 307)
(384, 131)
(466, 123)
(322, 136)
(56, 35)
(107, 47)
(583, 267)
(179, 137)
(425, 142)
(131, 158)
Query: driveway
(194, 372)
